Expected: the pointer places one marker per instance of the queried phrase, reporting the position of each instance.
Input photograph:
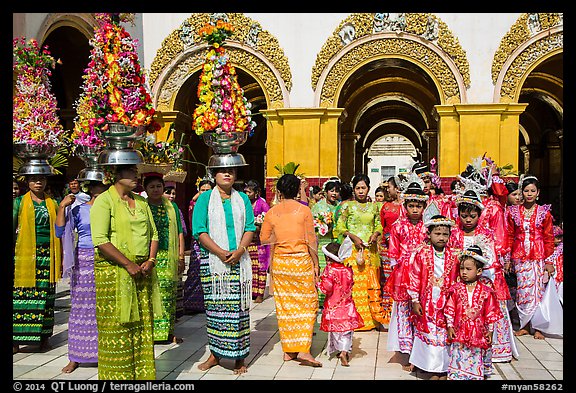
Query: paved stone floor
(538, 360)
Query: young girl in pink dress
(471, 311)
(339, 315)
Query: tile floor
(539, 359)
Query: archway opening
(542, 154)
(254, 150)
(389, 155)
(383, 97)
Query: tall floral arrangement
(34, 115)
(114, 85)
(223, 109)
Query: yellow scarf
(25, 252)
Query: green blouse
(200, 218)
(361, 219)
(42, 219)
(161, 220)
(104, 228)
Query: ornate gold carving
(187, 35)
(517, 35)
(524, 61)
(394, 46)
(416, 23)
(194, 61)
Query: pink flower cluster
(114, 88)
(34, 112)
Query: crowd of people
(441, 273)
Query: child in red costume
(432, 271)
(471, 311)
(406, 233)
(339, 315)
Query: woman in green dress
(323, 213)
(360, 221)
(170, 256)
(127, 292)
(37, 265)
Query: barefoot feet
(70, 367)
(240, 367)
(208, 364)
(290, 356)
(521, 332)
(259, 299)
(408, 367)
(538, 335)
(176, 340)
(344, 359)
(306, 359)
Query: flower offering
(34, 114)
(322, 222)
(114, 87)
(223, 108)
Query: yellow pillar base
(466, 131)
(306, 136)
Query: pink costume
(444, 203)
(532, 241)
(557, 258)
(431, 274)
(471, 316)
(493, 219)
(503, 344)
(339, 315)
(404, 237)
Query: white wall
(301, 36)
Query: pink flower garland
(34, 112)
(114, 88)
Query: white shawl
(220, 271)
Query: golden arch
(531, 40)
(422, 39)
(254, 49)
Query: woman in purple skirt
(73, 220)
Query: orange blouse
(289, 227)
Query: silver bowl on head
(226, 161)
(225, 143)
(120, 157)
(121, 136)
(91, 174)
(35, 158)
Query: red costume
(339, 313)
(388, 215)
(533, 241)
(422, 281)
(494, 269)
(404, 237)
(493, 219)
(472, 320)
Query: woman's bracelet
(245, 249)
(153, 260)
